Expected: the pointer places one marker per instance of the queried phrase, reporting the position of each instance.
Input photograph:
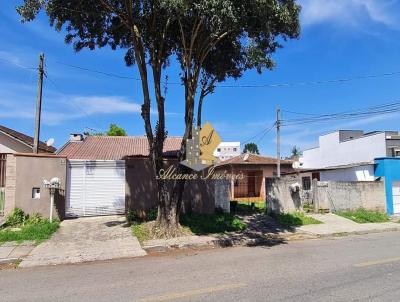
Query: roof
(115, 147)
(253, 159)
(26, 139)
(339, 167)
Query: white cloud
(348, 12)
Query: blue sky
(339, 39)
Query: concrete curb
(366, 232)
(231, 242)
(9, 260)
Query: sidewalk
(263, 230)
(334, 224)
(86, 239)
(14, 251)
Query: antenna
(50, 142)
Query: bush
(202, 224)
(16, 218)
(138, 216)
(362, 215)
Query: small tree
(251, 148)
(296, 153)
(212, 40)
(114, 130)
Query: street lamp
(53, 185)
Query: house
(348, 147)
(12, 141)
(227, 150)
(113, 175)
(255, 168)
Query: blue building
(389, 169)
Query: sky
(339, 39)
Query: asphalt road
(357, 268)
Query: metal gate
(3, 158)
(95, 188)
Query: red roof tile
(26, 139)
(115, 147)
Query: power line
(376, 110)
(18, 65)
(262, 133)
(266, 85)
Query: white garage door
(396, 197)
(95, 188)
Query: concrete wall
(359, 173)
(25, 172)
(141, 189)
(331, 195)
(222, 195)
(333, 152)
(10, 145)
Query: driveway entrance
(87, 239)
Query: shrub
(202, 224)
(135, 216)
(16, 217)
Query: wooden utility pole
(278, 142)
(38, 104)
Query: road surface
(357, 268)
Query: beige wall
(25, 172)
(10, 145)
(141, 189)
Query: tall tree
(211, 39)
(251, 148)
(115, 130)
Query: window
(219, 149)
(306, 183)
(36, 193)
(234, 149)
(396, 152)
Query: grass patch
(364, 216)
(203, 224)
(37, 232)
(296, 219)
(243, 207)
(20, 227)
(141, 231)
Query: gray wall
(330, 195)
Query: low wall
(27, 171)
(141, 188)
(287, 195)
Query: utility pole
(38, 104)
(278, 142)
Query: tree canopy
(251, 148)
(212, 40)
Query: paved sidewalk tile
(86, 239)
(5, 251)
(21, 251)
(334, 224)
